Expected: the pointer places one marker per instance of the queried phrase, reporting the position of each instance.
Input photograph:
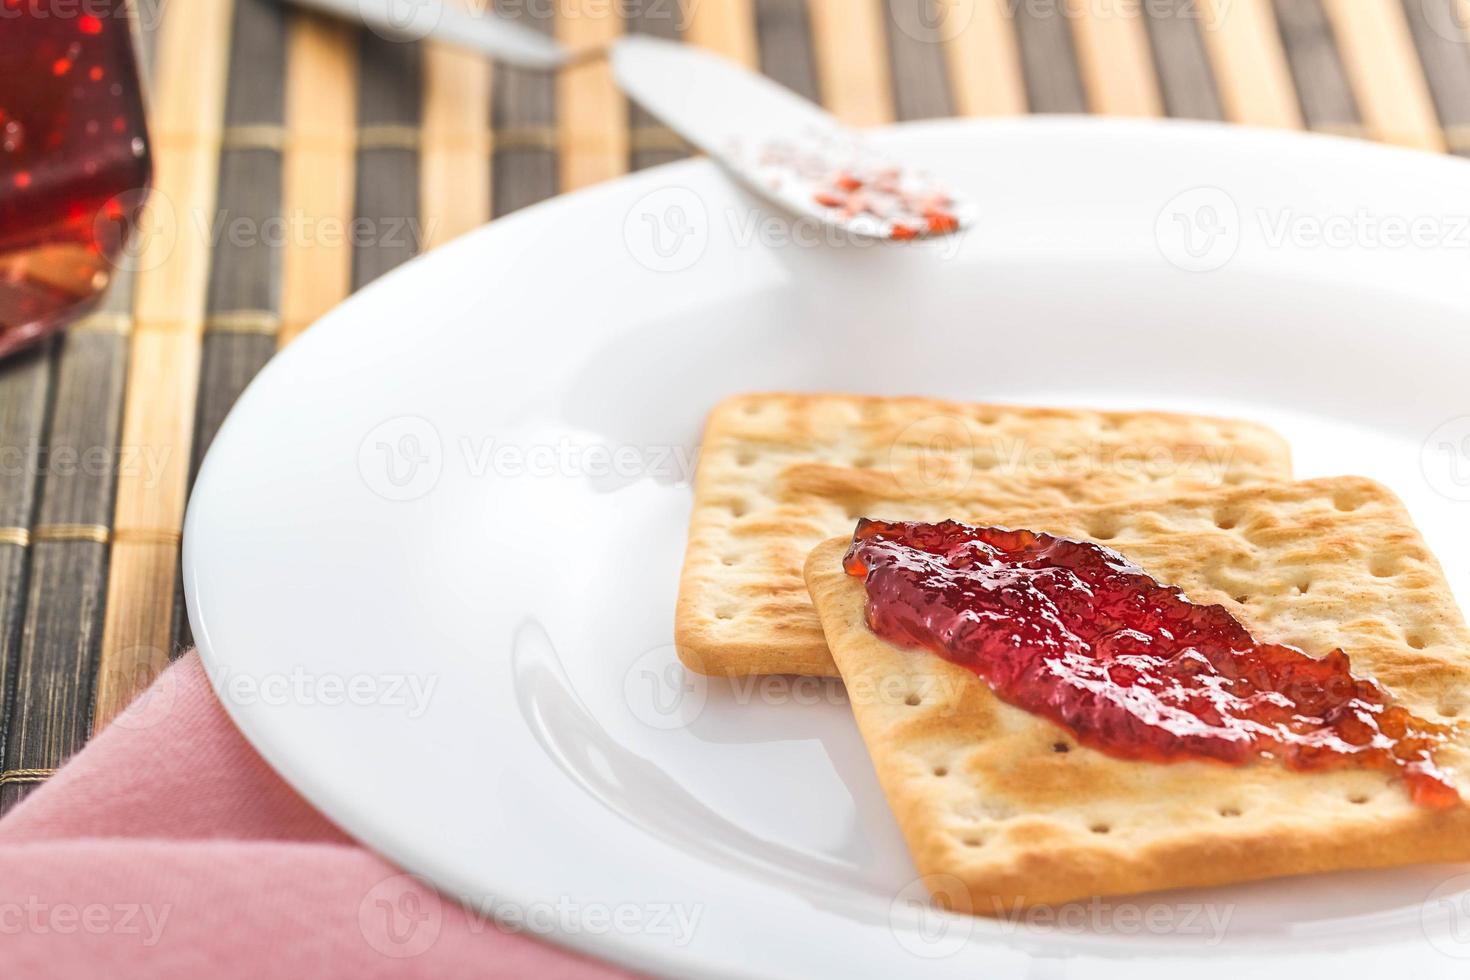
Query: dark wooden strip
(1048, 58)
(1443, 40)
(385, 230)
(385, 227)
(257, 84)
(784, 36)
(233, 360)
(389, 87)
(68, 580)
(250, 231)
(86, 417)
(1181, 60)
(24, 384)
(920, 75)
(25, 381)
(1321, 82)
(54, 698)
(524, 164)
(183, 632)
(245, 286)
(230, 362)
(657, 18)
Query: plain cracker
(997, 818)
(780, 473)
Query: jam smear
(1077, 634)
(885, 193)
(858, 187)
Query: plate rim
(626, 950)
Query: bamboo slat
(455, 161)
(1250, 64)
(1053, 82)
(52, 709)
(188, 109)
(67, 585)
(1311, 50)
(984, 59)
(726, 28)
(848, 39)
(1441, 31)
(244, 296)
(650, 143)
(387, 226)
(920, 78)
(24, 384)
(1187, 85)
(592, 116)
(784, 35)
(1384, 71)
(1116, 60)
(68, 574)
(319, 168)
(245, 274)
(523, 120)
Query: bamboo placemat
(321, 156)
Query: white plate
(472, 475)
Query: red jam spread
(884, 194)
(1076, 633)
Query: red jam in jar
(1077, 634)
(74, 161)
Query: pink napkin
(167, 848)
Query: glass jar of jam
(74, 161)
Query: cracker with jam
(1195, 690)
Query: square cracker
(780, 473)
(1002, 808)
